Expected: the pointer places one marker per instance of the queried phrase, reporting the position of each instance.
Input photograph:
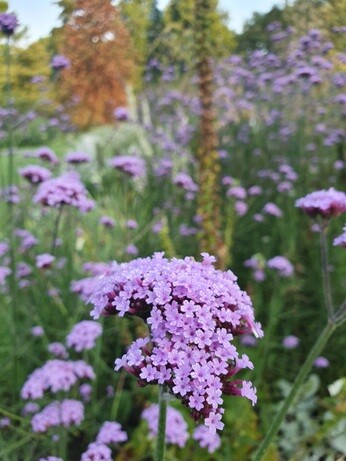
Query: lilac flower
(111, 432)
(290, 342)
(58, 350)
(64, 190)
(176, 426)
(30, 408)
(37, 331)
(85, 391)
(341, 239)
(4, 247)
(55, 375)
(44, 261)
(131, 249)
(326, 203)
(45, 153)
(131, 224)
(10, 194)
(206, 438)
(4, 272)
(186, 182)
(272, 210)
(237, 192)
(132, 166)
(121, 113)
(321, 362)
(107, 221)
(194, 311)
(66, 413)
(97, 451)
(240, 208)
(60, 62)
(255, 190)
(281, 265)
(8, 23)
(77, 158)
(27, 240)
(5, 422)
(84, 335)
(35, 174)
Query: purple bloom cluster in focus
(8, 23)
(176, 426)
(66, 189)
(194, 312)
(325, 203)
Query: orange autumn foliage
(99, 47)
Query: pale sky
(40, 16)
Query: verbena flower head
(281, 265)
(341, 239)
(111, 432)
(321, 362)
(58, 350)
(66, 189)
(176, 426)
(76, 158)
(44, 261)
(121, 113)
(66, 413)
(84, 335)
(325, 203)
(8, 23)
(194, 312)
(290, 342)
(45, 153)
(97, 451)
(206, 439)
(55, 375)
(60, 62)
(35, 174)
(131, 165)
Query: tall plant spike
(211, 239)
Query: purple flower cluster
(84, 335)
(194, 312)
(325, 203)
(77, 158)
(131, 165)
(66, 189)
(340, 241)
(66, 413)
(206, 439)
(60, 62)
(45, 153)
(290, 342)
(111, 432)
(176, 426)
(8, 23)
(121, 113)
(185, 181)
(281, 265)
(97, 451)
(35, 174)
(55, 375)
(44, 261)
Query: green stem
(55, 230)
(325, 273)
(303, 373)
(161, 431)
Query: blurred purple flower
(290, 342)
(66, 413)
(8, 23)
(77, 158)
(35, 174)
(97, 451)
(321, 362)
(83, 335)
(341, 239)
(281, 265)
(111, 432)
(326, 203)
(131, 165)
(206, 439)
(60, 62)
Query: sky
(40, 16)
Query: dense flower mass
(176, 426)
(35, 173)
(131, 165)
(84, 335)
(111, 432)
(60, 62)
(66, 189)
(325, 203)
(8, 23)
(194, 312)
(66, 413)
(55, 375)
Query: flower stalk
(161, 432)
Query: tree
(99, 47)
